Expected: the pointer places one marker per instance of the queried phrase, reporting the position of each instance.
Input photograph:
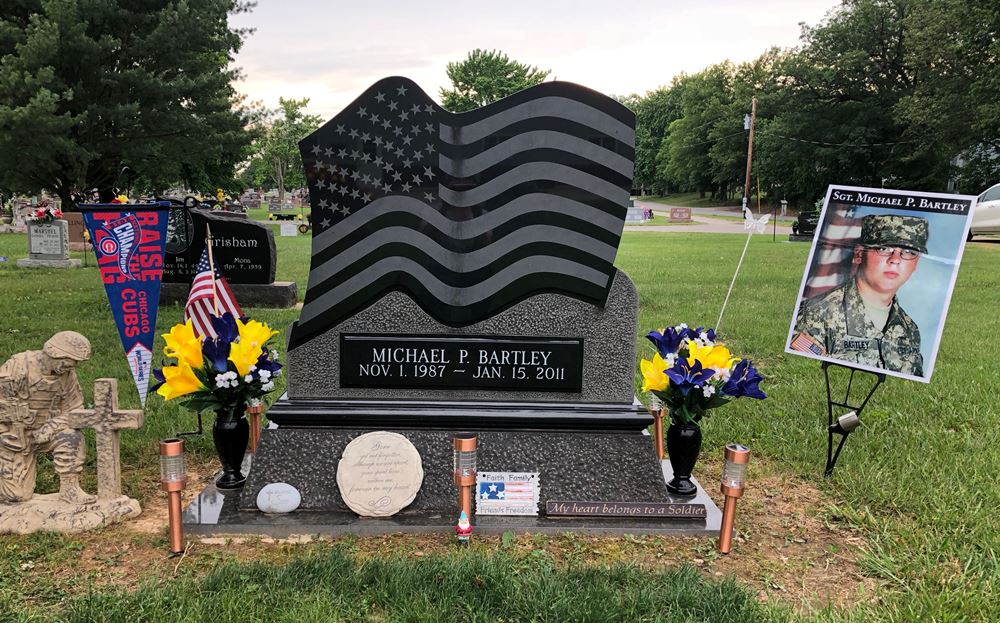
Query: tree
(485, 77)
(276, 153)
(87, 88)
(954, 50)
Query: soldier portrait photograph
(879, 279)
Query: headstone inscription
(243, 251)
(463, 279)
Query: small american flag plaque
(507, 493)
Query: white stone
(278, 497)
(379, 474)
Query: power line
(826, 144)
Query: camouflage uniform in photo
(837, 320)
(34, 418)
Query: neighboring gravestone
(243, 251)
(680, 215)
(74, 221)
(463, 279)
(48, 246)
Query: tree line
(893, 93)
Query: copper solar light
(734, 475)
(465, 469)
(173, 478)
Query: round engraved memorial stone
(278, 497)
(379, 474)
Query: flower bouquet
(45, 215)
(692, 373)
(223, 374)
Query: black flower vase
(683, 445)
(231, 433)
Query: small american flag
(805, 343)
(200, 305)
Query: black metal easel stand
(834, 428)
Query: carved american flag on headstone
(466, 213)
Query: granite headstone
(463, 279)
(243, 251)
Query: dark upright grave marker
(244, 253)
(463, 279)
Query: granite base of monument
(278, 295)
(33, 263)
(579, 465)
(798, 238)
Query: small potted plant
(224, 374)
(692, 373)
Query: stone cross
(107, 421)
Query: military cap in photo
(891, 230)
(67, 345)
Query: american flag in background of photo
(831, 265)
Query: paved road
(704, 225)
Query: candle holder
(173, 479)
(658, 411)
(734, 475)
(465, 445)
(254, 412)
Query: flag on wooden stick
(210, 296)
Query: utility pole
(751, 125)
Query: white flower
(671, 359)
(722, 374)
(254, 402)
(221, 380)
(252, 367)
(265, 374)
(708, 389)
(267, 386)
(682, 325)
(248, 378)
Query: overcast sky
(330, 51)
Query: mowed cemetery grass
(918, 480)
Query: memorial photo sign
(879, 279)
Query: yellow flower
(244, 354)
(653, 377)
(716, 357)
(179, 381)
(182, 343)
(256, 333)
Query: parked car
(986, 218)
(806, 224)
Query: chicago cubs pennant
(129, 241)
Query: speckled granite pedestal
(573, 466)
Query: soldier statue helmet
(65, 349)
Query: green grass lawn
(918, 480)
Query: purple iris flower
(225, 328)
(668, 342)
(710, 333)
(744, 381)
(266, 364)
(686, 376)
(216, 351)
(160, 379)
